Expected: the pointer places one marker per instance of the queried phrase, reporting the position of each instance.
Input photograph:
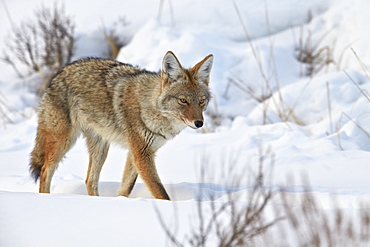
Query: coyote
(108, 101)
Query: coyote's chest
(163, 131)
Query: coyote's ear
(202, 69)
(171, 65)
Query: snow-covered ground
(310, 128)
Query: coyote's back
(108, 101)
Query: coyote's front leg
(143, 159)
(129, 177)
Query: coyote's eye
(202, 101)
(182, 101)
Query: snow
(309, 128)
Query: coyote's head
(184, 92)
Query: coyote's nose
(198, 123)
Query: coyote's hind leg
(56, 143)
(98, 151)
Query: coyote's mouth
(192, 124)
(186, 122)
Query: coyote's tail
(38, 156)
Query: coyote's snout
(108, 101)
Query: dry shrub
(44, 45)
(227, 222)
(270, 97)
(114, 40)
(311, 225)
(268, 217)
(312, 54)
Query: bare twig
(363, 92)
(363, 66)
(169, 233)
(329, 107)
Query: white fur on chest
(164, 131)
